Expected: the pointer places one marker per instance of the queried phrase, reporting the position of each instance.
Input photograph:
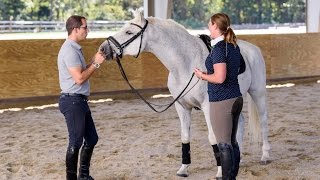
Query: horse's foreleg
(185, 120)
(212, 139)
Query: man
(75, 89)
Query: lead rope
(142, 98)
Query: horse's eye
(129, 32)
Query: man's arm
(79, 75)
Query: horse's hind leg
(240, 131)
(260, 101)
(185, 120)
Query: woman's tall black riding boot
(72, 162)
(85, 158)
(236, 110)
(227, 161)
(236, 153)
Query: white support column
(157, 8)
(313, 16)
(161, 8)
(146, 8)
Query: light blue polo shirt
(70, 55)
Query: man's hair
(73, 22)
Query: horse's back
(252, 53)
(254, 77)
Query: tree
(195, 13)
(190, 13)
(10, 9)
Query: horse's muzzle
(108, 55)
(106, 51)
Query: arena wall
(29, 67)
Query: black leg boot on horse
(217, 157)
(236, 110)
(227, 161)
(186, 160)
(85, 158)
(72, 162)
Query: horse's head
(128, 41)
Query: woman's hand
(198, 73)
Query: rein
(119, 55)
(142, 98)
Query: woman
(223, 65)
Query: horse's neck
(175, 51)
(172, 60)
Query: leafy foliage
(190, 13)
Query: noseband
(123, 45)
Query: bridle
(119, 56)
(123, 45)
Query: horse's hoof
(265, 162)
(182, 175)
(183, 171)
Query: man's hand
(98, 58)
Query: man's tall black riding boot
(227, 161)
(85, 158)
(72, 162)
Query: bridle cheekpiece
(123, 45)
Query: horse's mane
(169, 24)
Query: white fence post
(313, 16)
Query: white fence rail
(59, 26)
(45, 26)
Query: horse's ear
(138, 14)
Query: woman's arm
(219, 75)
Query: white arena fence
(49, 26)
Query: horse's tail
(254, 127)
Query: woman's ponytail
(223, 23)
